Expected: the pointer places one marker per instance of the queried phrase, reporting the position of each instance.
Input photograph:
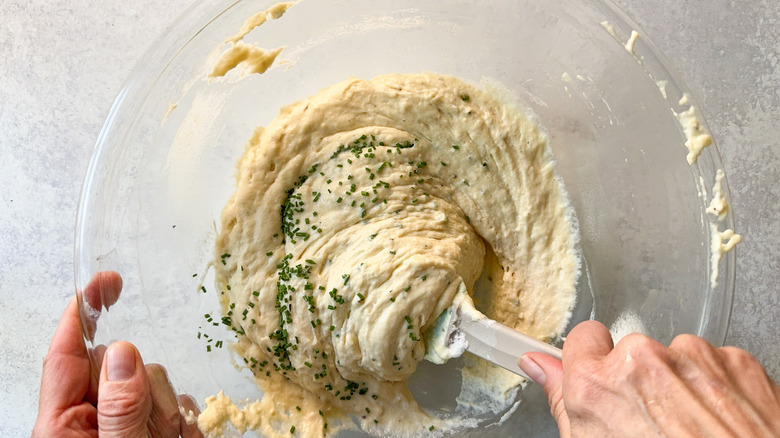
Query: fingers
(189, 419)
(124, 400)
(164, 421)
(96, 359)
(64, 381)
(542, 369)
(67, 338)
(587, 340)
(548, 372)
(757, 388)
(103, 290)
(67, 379)
(747, 371)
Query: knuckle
(740, 358)
(642, 348)
(696, 353)
(690, 343)
(640, 362)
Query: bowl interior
(163, 167)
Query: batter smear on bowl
(359, 215)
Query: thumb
(547, 371)
(124, 400)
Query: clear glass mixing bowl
(163, 166)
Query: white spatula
(488, 339)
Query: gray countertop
(62, 63)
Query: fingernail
(532, 370)
(120, 361)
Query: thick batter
(359, 214)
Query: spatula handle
(500, 344)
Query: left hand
(126, 399)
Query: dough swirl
(361, 212)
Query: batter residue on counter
(359, 214)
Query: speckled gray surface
(62, 62)
(729, 54)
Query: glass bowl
(163, 167)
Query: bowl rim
(202, 13)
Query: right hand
(643, 388)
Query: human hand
(121, 398)
(642, 388)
